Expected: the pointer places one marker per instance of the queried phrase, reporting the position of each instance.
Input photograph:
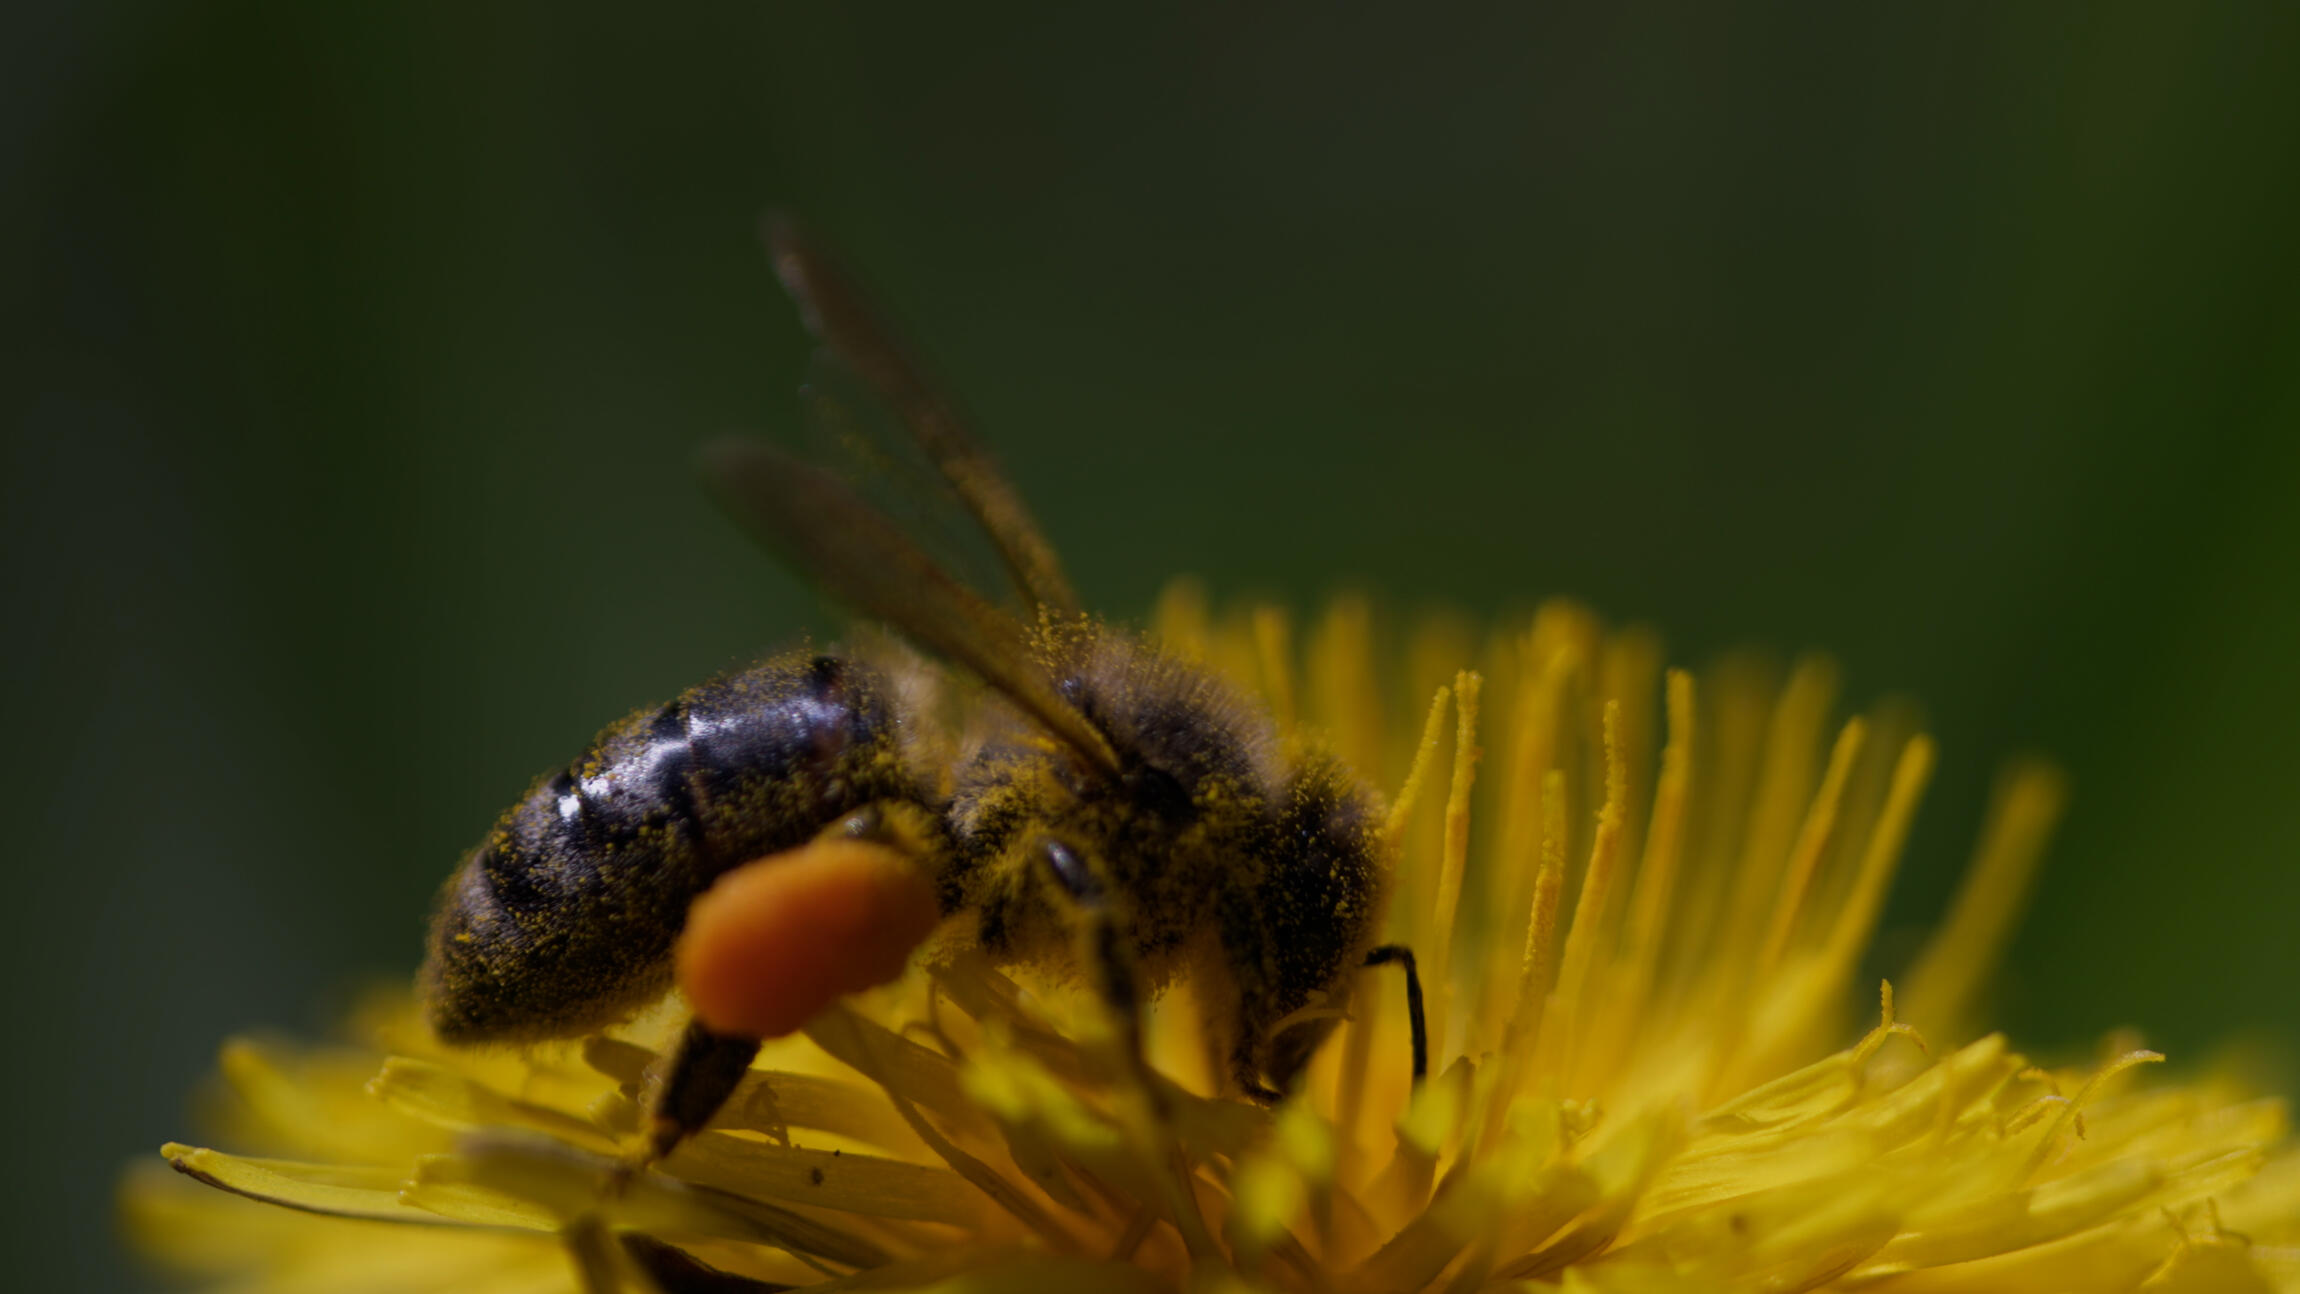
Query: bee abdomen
(564, 918)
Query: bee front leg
(1103, 951)
(1383, 956)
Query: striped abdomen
(563, 919)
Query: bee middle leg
(1103, 951)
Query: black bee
(1116, 806)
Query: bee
(1114, 810)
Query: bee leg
(1103, 951)
(1113, 965)
(703, 1073)
(1383, 956)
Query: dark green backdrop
(356, 359)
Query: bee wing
(859, 556)
(848, 430)
(836, 312)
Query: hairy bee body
(1112, 811)
(1209, 848)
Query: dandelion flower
(1641, 901)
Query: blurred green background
(358, 352)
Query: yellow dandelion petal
(1639, 898)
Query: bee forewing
(830, 535)
(848, 430)
(837, 313)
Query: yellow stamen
(1402, 808)
(1649, 903)
(1777, 805)
(1452, 860)
(1537, 975)
(1583, 939)
(1543, 668)
(1958, 959)
(1857, 918)
(1812, 838)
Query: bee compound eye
(1069, 869)
(866, 823)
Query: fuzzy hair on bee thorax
(1210, 846)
